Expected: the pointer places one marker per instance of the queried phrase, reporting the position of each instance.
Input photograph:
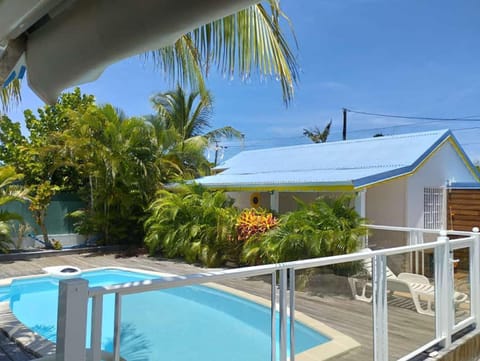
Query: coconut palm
(188, 115)
(316, 135)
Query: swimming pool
(187, 323)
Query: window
(433, 208)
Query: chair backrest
(395, 284)
(367, 265)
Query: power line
(462, 129)
(259, 142)
(469, 144)
(392, 127)
(436, 119)
(432, 120)
(264, 141)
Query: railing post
(273, 315)
(380, 310)
(96, 334)
(283, 314)
(72, 320)
(443, 290)
(117, 327)
(292, 313)
(411, 241)
(475, 277)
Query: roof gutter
(324, 187)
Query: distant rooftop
(353, 164)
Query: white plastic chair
(418, 286)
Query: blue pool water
(184, 324)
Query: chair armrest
(413, 278)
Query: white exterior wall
(386, 203)
(443, 167)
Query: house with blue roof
(398, 180)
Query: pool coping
(22, 335)
(338, 344)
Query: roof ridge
(350, 141)
(397, 165)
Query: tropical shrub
(326, 227)
(56, 244)
(9, 192)
(254, 221)
(251, 225)
(191, 222)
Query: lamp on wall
(255, 200)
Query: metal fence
(74, 297)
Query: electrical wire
(436, 119)
(259, 142)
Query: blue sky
(408, 57)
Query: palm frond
(10, 95)
(225, 132)
(247, 42)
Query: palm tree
(316, 135)
(116, 158)
(188, 116)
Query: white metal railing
(75, 293)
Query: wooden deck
(329, 303)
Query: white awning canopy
(70, 42)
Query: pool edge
(339, 343)
(22, 335)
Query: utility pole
(218, 147)
(344, 133)
(216, 153)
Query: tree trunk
(43, 227)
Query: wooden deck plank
(9, 351)
(407, 330)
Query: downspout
(361, 208)
(275, 201)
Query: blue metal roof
(463, 185)
(356, 163)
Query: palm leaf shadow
(134, 346)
